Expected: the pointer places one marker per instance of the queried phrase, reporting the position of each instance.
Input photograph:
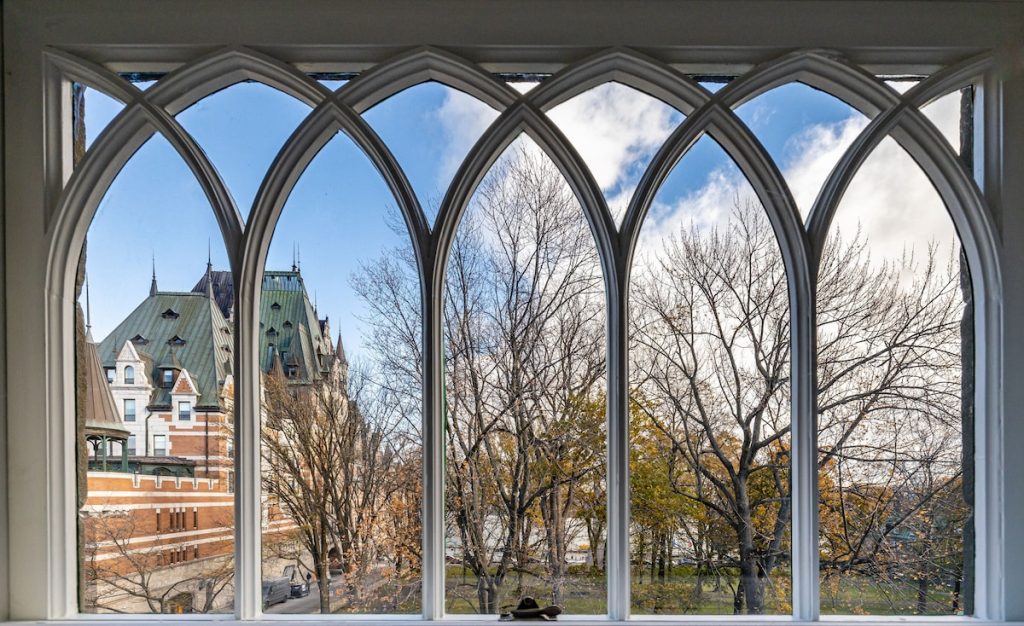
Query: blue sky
(336, 213)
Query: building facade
(158, 515)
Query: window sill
(473, 620)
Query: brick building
(158, 515)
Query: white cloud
(890, 199)
(463, 119)
(615, 129)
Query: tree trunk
(922, 593)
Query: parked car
(275, 591)
(301, 589)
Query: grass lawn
(585, 594)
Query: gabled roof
(184, 384)
(199, 323)
(128, 352)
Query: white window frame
(135, 409)
(163, 439)
(48, 44)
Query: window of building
(623, 348)
(131, 445)
(129, 375)
(111, 373)
(158, 525)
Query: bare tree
(710, 344)
(122, 563)
(710, 358)
(709, 347)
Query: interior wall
(4, 559)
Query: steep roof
(181, 330)
(287, 321)
(223, 290)
(101, 416)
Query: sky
(341, 214)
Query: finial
(209, 255)
(294, 266)
(298, 258)
(152, 285)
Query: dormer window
(287, 324)
(168, 379)
(272, 332)
(129, 375)
(275, 306)
(170, 314)
(175, 341)
(140, 340)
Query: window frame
(163, 439)
(50, 495)
(134, 414)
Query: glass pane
(617, 130)
(895, 425)
(806, 132)
(241, 129)
(339, 345)
(523, 86)
(524, 337)
(710, 399)
(945, 113)
(92, 111)
(430, 128)
(714, 84)
(157, 516)
(333, 84)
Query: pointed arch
(191, 83)
(820, 69)
(129, 130)
(522, 118)
(626, 66)
(421, 65)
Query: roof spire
(298, 257)
(152, 285)
(295, 267)
(209, 280)
(339, 352)
(209, 256)
(88, 312)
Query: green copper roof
(179, 329)
(289, 325)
